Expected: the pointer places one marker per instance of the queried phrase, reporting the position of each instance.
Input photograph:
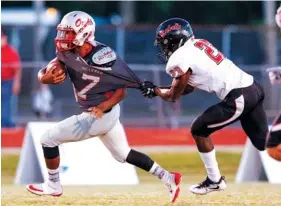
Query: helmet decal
(78, 22)
(163, 33)
(170, 35)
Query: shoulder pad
(103, 56)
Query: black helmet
(170, 35)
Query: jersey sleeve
(177, 66)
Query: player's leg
(253, 119)
(255, 125)
(273, 144)
(72, 129)
(213, 119)
(116, 142)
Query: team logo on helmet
(163, 33)
(78, 22)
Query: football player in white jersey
(196, 63)
(273, 144)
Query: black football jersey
(91, 88)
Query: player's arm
(177, 88)
(116, 97)
(53, 73)
(187, 90)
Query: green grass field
(150, 191)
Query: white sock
(211, 165)
(159, 172)
(54, 175)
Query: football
(53, 73)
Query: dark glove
(147, 89)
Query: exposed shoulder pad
(103, 56)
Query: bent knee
(121, 155)
(48, 140)
(199, 130)
(274, 152)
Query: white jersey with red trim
(211, 71)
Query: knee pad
(50, 148)
(51, 152)
(140, 160)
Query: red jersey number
(209, 50)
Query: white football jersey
(211, 71)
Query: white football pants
(84, 126)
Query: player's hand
(49, 77)
(274, 75)
(59, 77)
(96, 112)
(148, 89)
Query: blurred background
(244, 31)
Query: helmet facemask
(166, 48)
(65, 38)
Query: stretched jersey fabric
(94, 76)
(211, 71)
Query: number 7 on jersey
(83, 93)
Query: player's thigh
(116, 142)
(74, 128)
(255, 125)
(217, 116)
(274, 135)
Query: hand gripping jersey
(211, 71)
(93, 86)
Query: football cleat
(46, 188)
(208, 186)
(173, 185)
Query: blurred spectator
(42, 102)
(10, 80)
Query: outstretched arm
(114, 99)
(177, 88)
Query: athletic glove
(274, 74)
(147, 89)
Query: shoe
(208, 186)
(173, 185)
(46, 188)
